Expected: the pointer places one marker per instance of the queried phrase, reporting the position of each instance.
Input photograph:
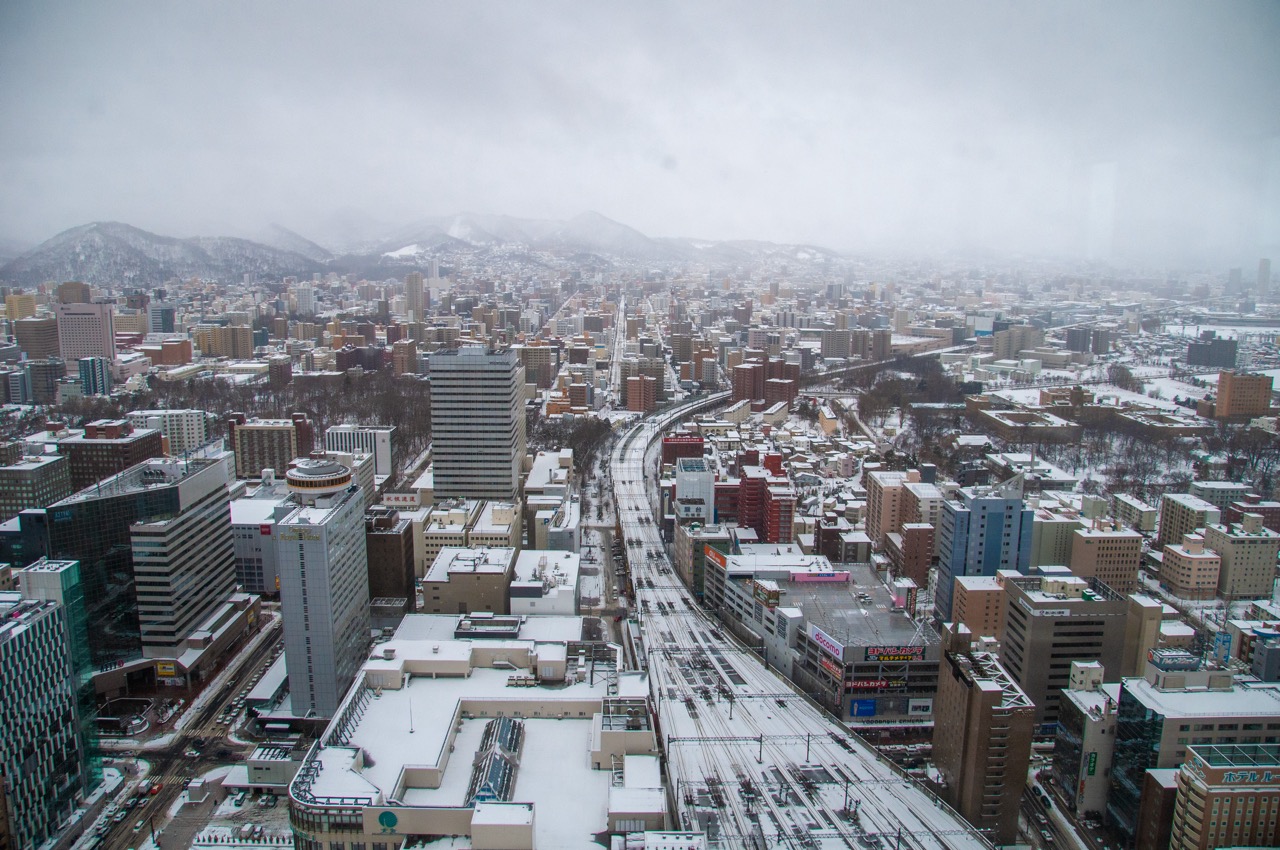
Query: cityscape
(949, 528)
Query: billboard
(713, 554)
(767, 596)
(862, 708)
(832, 647)
(166, 669)
(895, 653)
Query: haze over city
(1143, 134)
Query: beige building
(467, 524)
(1228, 796)
(978, 603)
(1182, 513)
(982, 726)
(1242, 395)
(1189, 570)
(1111, 555)
(1248, 551)
(884, 504)
(464, 581)
(1051, 536)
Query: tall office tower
(37, 337)
(415, 296)
(306, 298)
(268, 443)
(45, 770)
(184, 565)
(324, 586)
(95, 376)
(86, 330)
(982, 724)
(373, 440)
(184, 429)
(981, 531)
(1079, 339)
(161, 318)
(1264, 277)
(477, 423)
(1051, 622)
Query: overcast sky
(904, 126)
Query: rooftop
(454, 560)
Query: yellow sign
(166, 668)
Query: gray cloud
(902, 126)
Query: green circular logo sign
(388, 820)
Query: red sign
(830, 666)
(264, 530)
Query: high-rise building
(415, 296)
(45, 375)
(477, 424)
(273, 444)
(161, 318)
(231, 341)
(74, 292)
(388, 541)
(324, 586)
(1264, 277)
(981, 531)
(1051, 622)
(19, 305)
(305, 296)
(37, 337)
(45, 770)
(95, 376)
(86, 330)
(982, 726)
(1212, 351)
(186, 430)
(884, 504)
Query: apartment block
(1181, 514)
(1189, 570)
(1248, 551)
(1111, 555)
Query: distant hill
(123, 255)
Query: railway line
(752, 762)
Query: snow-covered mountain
(122, 255)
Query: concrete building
(468, 580)
(269, 443)
(695, 497)
(1085, 739)
(1051, 623)
(364, 439)
(324, 587)
(253, 529)
(981, 531)
(1220, 494)
(690, 558)
(1189, 570)
(545, 582)
(388, 539)
(1134, 513)
(46, 769)
(1241, 395)
(1228, 796)
(884, 504)
(185, 430)
(1248, 551)
(1181, 514)
(107, 447)
(979, 605)
(1178, 704)
(1111, 555)
(37, 337)
(33, 481)
(85, 330)
(478, 424)
(981, 737)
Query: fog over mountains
(113, 253)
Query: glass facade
(1137, 749)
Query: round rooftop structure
(312, 477)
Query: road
(753, 762)
(172, 768)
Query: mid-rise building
(979, 605)
(95, 375)
(1228, 796)
(1241, 395)
(324, 586)
(981, 737)
(85, 330)
(33, 481)
(1085, 738)
(1248, 553)
(388, 539)
(46, 770)
(1189, 570)
(1182, 513)
(107, 447)
(1178, 704)
(261, 444)
(1111, 555)
(468, 580)
(477, 423)
(37, 337)
(364, 439)
(185, 430)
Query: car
(155, 789)
(1047, 836)
(119, 817)
(137, 827)
(192, 753)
